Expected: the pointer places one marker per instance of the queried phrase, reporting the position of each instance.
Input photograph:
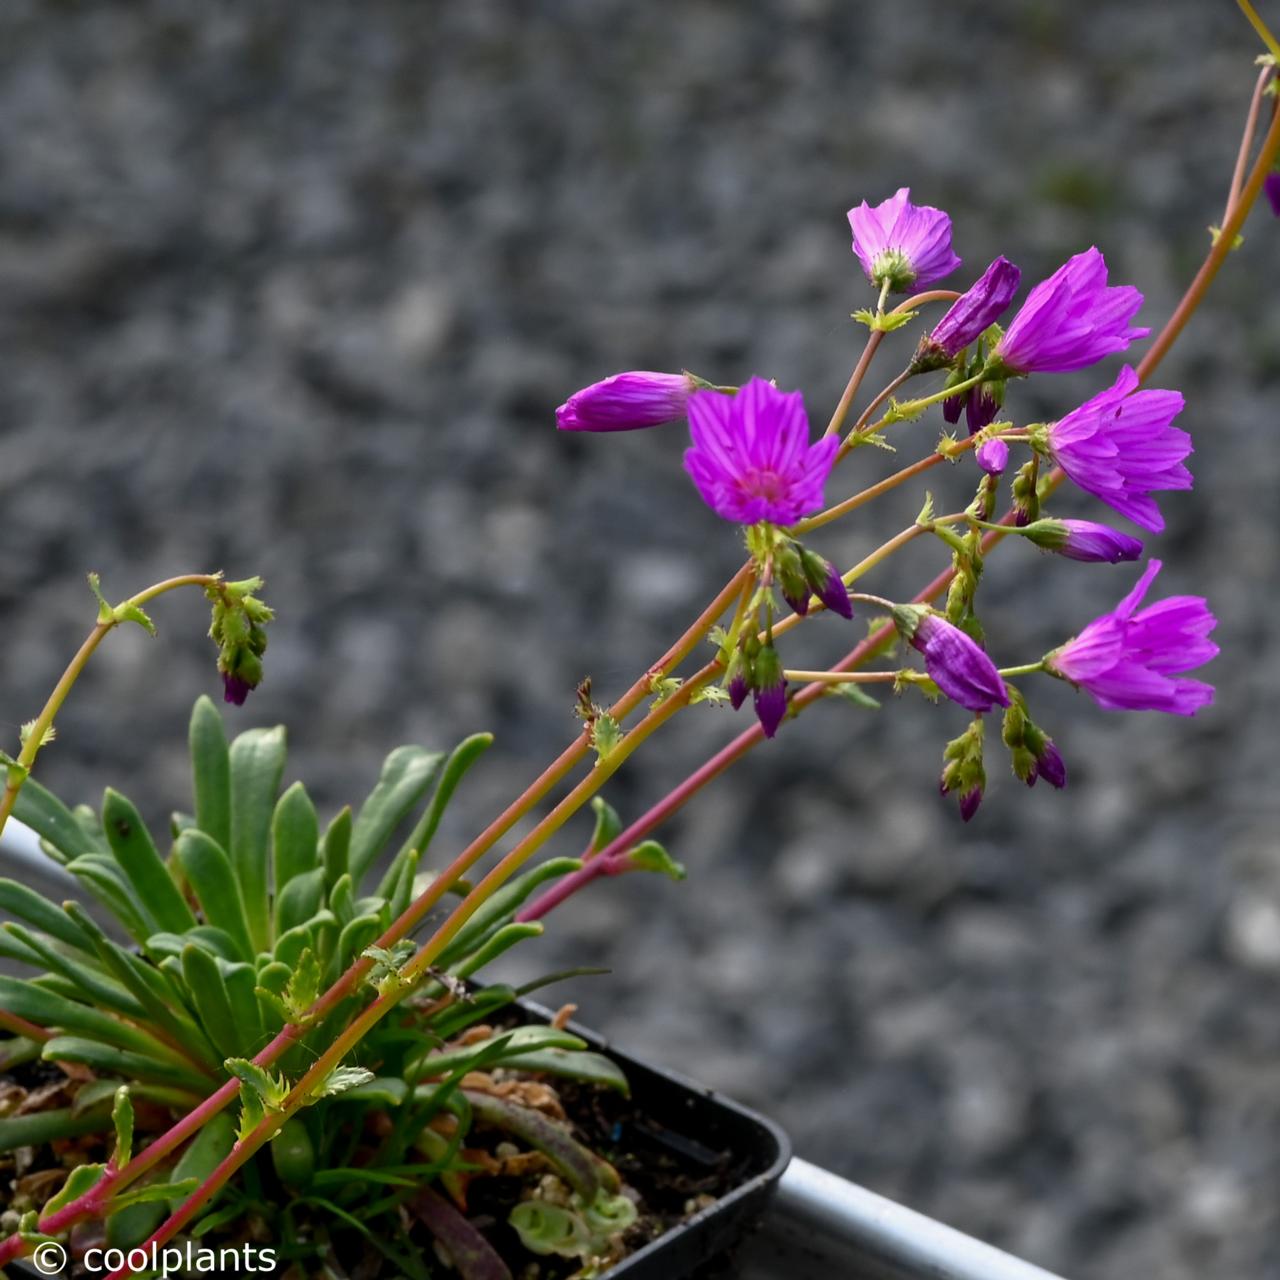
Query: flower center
(765, 484)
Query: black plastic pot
(694, 1123)
(691, 1124)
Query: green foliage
(233, 932)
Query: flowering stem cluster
(753, 462)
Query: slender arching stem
(39, 730)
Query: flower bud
(769, 689)
(993, 456)
(956, 663)
(969, 317)
(983, 406)
(1083, 540)
(963, 772)
(792, 578)
(1026, 501)
(826, 583)
(627, 401)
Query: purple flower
(234, 689)
(902, 243)
(626, 401)
(751, 458)
(1070, 320)
(993, 456)
(1121, 445)
(1126, 659)
(956, 663)
(970, 316)
(1271, 185)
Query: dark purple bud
(769, 689)
(982, 406)
(1272, 187)
(738, 690)
(969, 802)
(976, 310)
(835, 595)
(771, 706)
(826, 584)
(993, 456)
(952, 407)
(234, 689)
(1051, 766)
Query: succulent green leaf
(499, 909)
(382, 1091)
(585, 1066)
(299, 901)
(257, 762)
(17, 900)
(211, 771)
(608, 824)
(336, 847)
(407, 775)
(293, 1154)
(122, 1119)
(138, 858)
(295, 835)
(493, 1051)
(121, 1062)
(209, 872)
(83, 1178)
(53, 822)
(103, 877)
(211, 1145)
(583, 1171)
(463, 756)
(500, 940)
(649, 855)
(48, 1009)
(83, 978)
(208, 994)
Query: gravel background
(294, 290)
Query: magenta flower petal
(751, 458)
(903, 243)
(1121, 445)
(1070, 320)
(1126, 659)
(625, 402)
